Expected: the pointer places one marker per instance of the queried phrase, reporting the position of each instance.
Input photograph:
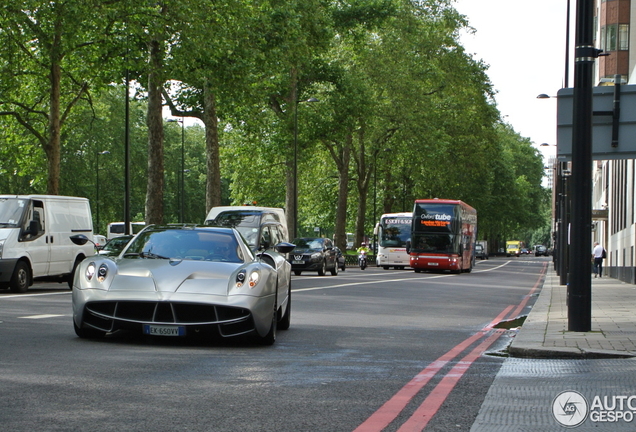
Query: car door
(330, 254)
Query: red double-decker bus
(443, 234)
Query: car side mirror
(284, 247)
(80, 239)
(34, 228)
(408, 246)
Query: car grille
(112, 315)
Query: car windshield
(308, 243)
(198, 245)
(11, 211)
(246, 222)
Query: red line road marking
(436, 398)
(534, 288)
(392, 408)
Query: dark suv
(313, 254)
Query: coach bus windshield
(395, 231)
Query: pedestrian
(598, 254)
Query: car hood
(162, 275)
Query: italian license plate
(433, 264)
(159, 330)
(298, 262)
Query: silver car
(182, 281)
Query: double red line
(425, 412)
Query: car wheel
(297, 272)
(21, 277)
(343, 268)
(334, 270)
(88, 333)
(285, 322)
(322, 269)
(270, 337)
(417, 270)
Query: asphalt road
(367, 350)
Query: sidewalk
(544, 333)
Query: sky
(523, 42)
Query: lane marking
(43, 316)
(392, 408)
(432, 403)
(33, 295)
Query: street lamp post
(181, 177)
(97, 154)
(295, 168)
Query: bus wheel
(385, 267)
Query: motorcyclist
(363, 248)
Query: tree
(54, 60)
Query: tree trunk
(213, 164)
(342, 163)
(154, 189)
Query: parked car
(183, 280)
(480, 252)
(524, 251)
(115, 245)
(342, 265)
(540, 250)
(313, 254)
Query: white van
(35, 240)
(116, 229)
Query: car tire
(270, 337)
(334, 270)
(298, 272)
(21, 278)
(285, 321)
(322, 269)
(88, 333)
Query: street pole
(97, 154)
(580, 275)
(181, 195)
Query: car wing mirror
(284, 247)
(408, 246)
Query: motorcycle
(362, 260)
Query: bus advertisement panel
(393, 231)
(443, 235)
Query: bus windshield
(396, 231)
(434, 228)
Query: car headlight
(251, 280)
(102, 272)
(1, 247)
(90, 271)
(314, 256)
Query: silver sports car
(181, 280)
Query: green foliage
(404, 112)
